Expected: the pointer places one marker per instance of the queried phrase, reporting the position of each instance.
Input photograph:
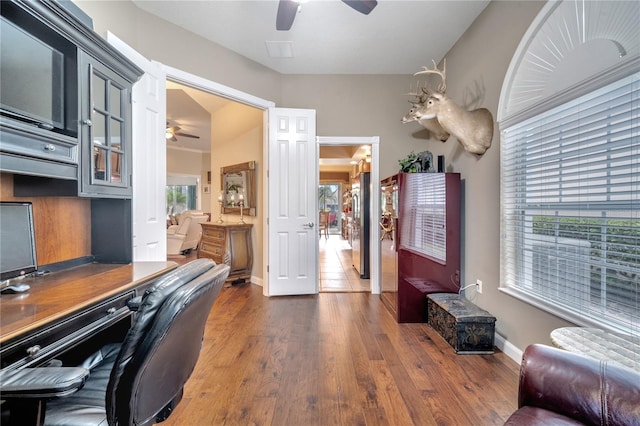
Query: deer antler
(425, 70)
(422, 97)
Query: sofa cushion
(538, 417)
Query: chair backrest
(161, 348)
(324, 218)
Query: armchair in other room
(185, 236)
(558, 387)
(137, 382)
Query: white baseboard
(509, 349)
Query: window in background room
(570, 158)
(330, 199)
(180, 198)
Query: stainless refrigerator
(361, 224)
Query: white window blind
(423, 226)
(571, 206)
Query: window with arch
(569, 119)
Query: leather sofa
(564, 388)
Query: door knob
(308, 225)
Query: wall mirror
(238, 185)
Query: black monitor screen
(32, 76)
(17, 240)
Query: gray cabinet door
(105, 136)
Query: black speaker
(440, 163)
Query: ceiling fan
(287, 10)
(171, 133)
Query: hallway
(336, 271)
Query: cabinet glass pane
(115, 101)
(99, 163)
(99, 129)
(116, 166)
(98, 89)
(116, 134)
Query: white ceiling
(327, 36)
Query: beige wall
(235, 147)
(372, 105)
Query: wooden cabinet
(428, 238)
(229, 243)
(66, 130)
(65, 119)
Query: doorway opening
(341, 159)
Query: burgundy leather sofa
(564, 388)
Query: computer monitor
(17, 240)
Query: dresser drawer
(213, 233)
(216, 258)
(212, 248)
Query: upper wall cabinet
(65, 103)
(105, 130)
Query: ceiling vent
(279, 49)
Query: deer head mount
(473, 129)
(416, 114)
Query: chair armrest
(44, 382)
(579, 387)
(172, 229)
(134, 303)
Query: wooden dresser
(229, 243)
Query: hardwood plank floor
(336, 271)
(336, 359)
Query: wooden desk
(599, 344)
(64, 308)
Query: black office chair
(137, 382)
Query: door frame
(374, 204)
(205, 85)
(230, 93)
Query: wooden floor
(336, 271)
(336, 359)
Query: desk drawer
(47, 343)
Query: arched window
(569, 118)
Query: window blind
(423, 227)
(571, 206)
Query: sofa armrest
(43, 382)
(579, 387)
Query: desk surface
(599, 344)
(60, 294)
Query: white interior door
(292, 186)
(149, 157)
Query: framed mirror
(238, 185)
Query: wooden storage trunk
(466, 327)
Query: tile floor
(337, 273)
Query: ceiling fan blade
(287, 10)
(186, 135)
(173, 138)
(362, 6)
